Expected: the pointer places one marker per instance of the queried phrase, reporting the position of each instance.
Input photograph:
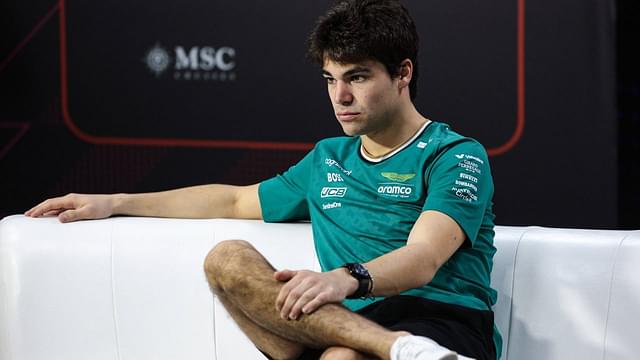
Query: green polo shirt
(363, 208)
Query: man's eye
(330, 80)
(357, 78)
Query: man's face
(365, 98)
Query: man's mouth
(347, 115)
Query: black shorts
(466, 331)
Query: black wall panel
(144, 96)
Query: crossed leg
(243, 280)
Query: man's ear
(405, 73)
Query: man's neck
(383, 142)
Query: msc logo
(333, 192)
(205, 58)
(195, 63)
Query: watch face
(359, 270)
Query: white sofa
(133, 288)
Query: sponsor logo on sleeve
(470, 166)
(470, 157)
(465, 194)
(468, 177)
(465, 187)
(467, 184)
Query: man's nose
(342, 93)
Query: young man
(400, 209)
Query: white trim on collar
(397, 150)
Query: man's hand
(74, 207)
(305, 291)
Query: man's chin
(351, 131)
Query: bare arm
(204, 201)
(434, 238)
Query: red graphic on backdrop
(21, 128)
(248, 144)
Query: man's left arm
(434, 238)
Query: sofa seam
(513, 281)
(5, 303)
(213, 301)
(610, 296)
(114, 312)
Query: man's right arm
(197, 202)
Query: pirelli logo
(328, 192)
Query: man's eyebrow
(351, 72)
(357, 70)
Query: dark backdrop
(112, 97)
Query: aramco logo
(194, 63)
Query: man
(400, 209)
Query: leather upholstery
(134, 288)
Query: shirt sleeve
(459, 184)
(284, 197)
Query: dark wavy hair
(358, 30)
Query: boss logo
(333, 177)
(333, 192)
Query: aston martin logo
(397, 177)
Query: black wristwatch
(365, 283)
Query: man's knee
(222, 258)
(341, 353)
(285, 353)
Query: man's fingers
(303, 301)
(284, 275)
(38, 209)
(71, 215)
(61, 203)
(282, 296)
(53, 212)
(289, 302)
(314, 304)
(290, 293)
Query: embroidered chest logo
(397, 177)
(397, 187)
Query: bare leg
(240, 274)
(277, 347)
(341, 353)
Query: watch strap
(360, 273)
